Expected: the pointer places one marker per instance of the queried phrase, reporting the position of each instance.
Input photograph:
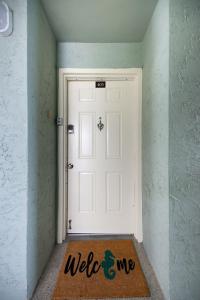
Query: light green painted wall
(99, 55)
(184, 150)
(14, 157)
(42, 140)
(27, 150)
(155, 120)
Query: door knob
(70, 166)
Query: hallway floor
(47, 282)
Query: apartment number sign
(100, 84)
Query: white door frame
(66, 74)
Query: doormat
(100, 269)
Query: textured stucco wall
(99, 55)
(184, 159)
(27, 150)
(41, 141)
(155, 143)
(13, 157)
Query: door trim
(68, 74)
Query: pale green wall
(27, 150)
(155, 120)
(14, 157)
(99, 55)
(41, 142)
(184, 151)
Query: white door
(102, 182)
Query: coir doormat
(100, 269)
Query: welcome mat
(100, 269)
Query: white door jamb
(65, 75)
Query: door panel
(86, 192)
(86, 135)
(113, 135)
(87, 94)
(102, 182)
(113, 192)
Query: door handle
(70, 166)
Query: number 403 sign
(100, 84)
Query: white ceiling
(99, 21)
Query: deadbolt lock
(70, 128)
(70, 166)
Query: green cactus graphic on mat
(107, 263)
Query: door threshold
(91, 236)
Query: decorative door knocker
(100, 125)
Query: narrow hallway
(99, 138)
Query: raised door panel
(86, 94)
(86, 135)
(113, 95)
(113, 135)
(86, 192)
(113, 192)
